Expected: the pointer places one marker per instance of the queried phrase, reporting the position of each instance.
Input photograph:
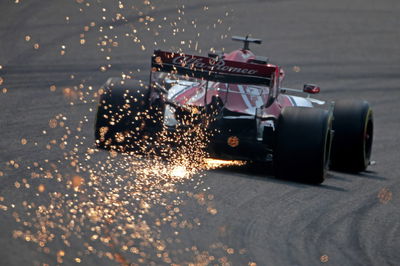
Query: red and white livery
(256, 118)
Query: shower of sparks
(118, 205)
(216, 163)
(179, 171)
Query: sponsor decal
(210, 64)
(233, 141)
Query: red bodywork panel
(242, 97)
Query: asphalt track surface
(350, 48)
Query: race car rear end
(237, 101)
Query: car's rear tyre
(302, 148)
(353, 136)
(121, 114)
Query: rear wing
(214, 69)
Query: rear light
(310, 88)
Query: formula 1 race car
(239, 96)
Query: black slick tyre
(302, 147)
(353, 136)
(121, 113)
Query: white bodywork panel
(300, 101)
